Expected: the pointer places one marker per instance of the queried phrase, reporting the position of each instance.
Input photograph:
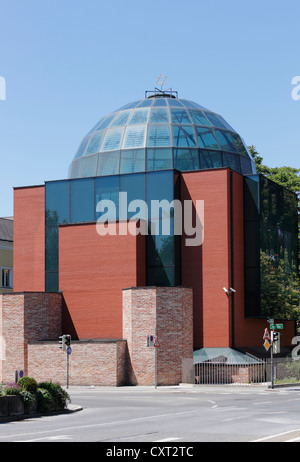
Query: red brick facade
(25, 317)
(29, 239)
(169, 311)
(93, 270)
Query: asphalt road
(167, 416)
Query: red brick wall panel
(93, 270)
(29, 239)
(206, 268)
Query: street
(167, 415)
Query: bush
(59, 395)
(27, 397)
(11, 389)
(44, 400)
(28, 384)
(48, 395)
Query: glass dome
(160, 133)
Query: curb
(12, 418)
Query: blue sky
(67, 63)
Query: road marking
(262, 402)
(275, 436)
(53, 438)
(233, 418)
(167, 439)
(292, 440)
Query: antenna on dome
(161, 80)
(159, 92)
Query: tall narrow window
(6, 278)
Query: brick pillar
(25, 317)
(169, 310)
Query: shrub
(59, 395)
(11, 389)
(27, 397)
(44, 400)
(28, 384)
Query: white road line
(51, 438)
(167, 439)
(262, 402)
(275, 436)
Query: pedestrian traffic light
(64, 341)
(275, 336)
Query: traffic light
(64, 341)
(275, 337)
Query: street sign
(69, 350)
(276, 326)
(150, 340)
(266, 335)
(267, 345)
(156, 343)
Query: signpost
(152, 341)
(273, 344)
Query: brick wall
(207, 268)
(29, 239)
(169, 311)
(25, 317)
(99, 363)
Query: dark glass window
(107, 188)
(57, 202)
(199, 118)
(206, 138)
(186, 159)
(246, 166)
(214, 119)
(82, 200)
(184, 136)
(232, 161)
(159, 159)
(210, 159)
(135, 187)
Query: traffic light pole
(68, 370)
(272, 361)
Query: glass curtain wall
(271, 249)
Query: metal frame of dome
(160, 132)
